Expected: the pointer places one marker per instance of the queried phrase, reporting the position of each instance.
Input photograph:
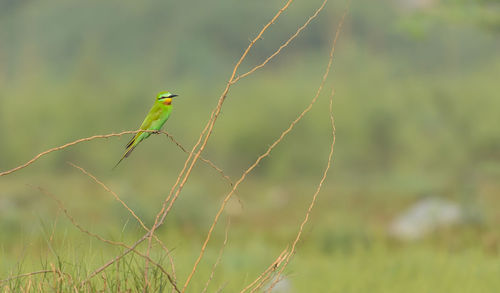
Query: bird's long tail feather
(127, 153)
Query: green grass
(357, 268)
(344, 248)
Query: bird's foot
(156, 132)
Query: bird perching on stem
(155, 119)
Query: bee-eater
(155, 119)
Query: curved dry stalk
(313, 201)
(325, 172)
(35, 158)
(330, 155)
(100, 136)
(275, 143)
(260, 158)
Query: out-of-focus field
(416, 109)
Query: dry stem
(285, 44)
(26, 275)
(260, 158)
(65, 146)
(330, 155)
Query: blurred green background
(416, 109)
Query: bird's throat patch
(167, 101)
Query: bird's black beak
(172, 96)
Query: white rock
(424, 217)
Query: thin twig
(284, 45)
(26, 275)
(297, 238)
(116, 197)
(337, 33)
(68, 145)
(207, 161)
(256, 163)
(100, 136)
(219, 257)
(313, 201)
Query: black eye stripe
(167, 97)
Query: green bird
(155, 119)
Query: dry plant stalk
(26, 275)
(313, 201)
(285, 44)
(330, 156)
(193, 156)
(271, 147)
(65, 146)
(101, 136)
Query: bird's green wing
(152, 116)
